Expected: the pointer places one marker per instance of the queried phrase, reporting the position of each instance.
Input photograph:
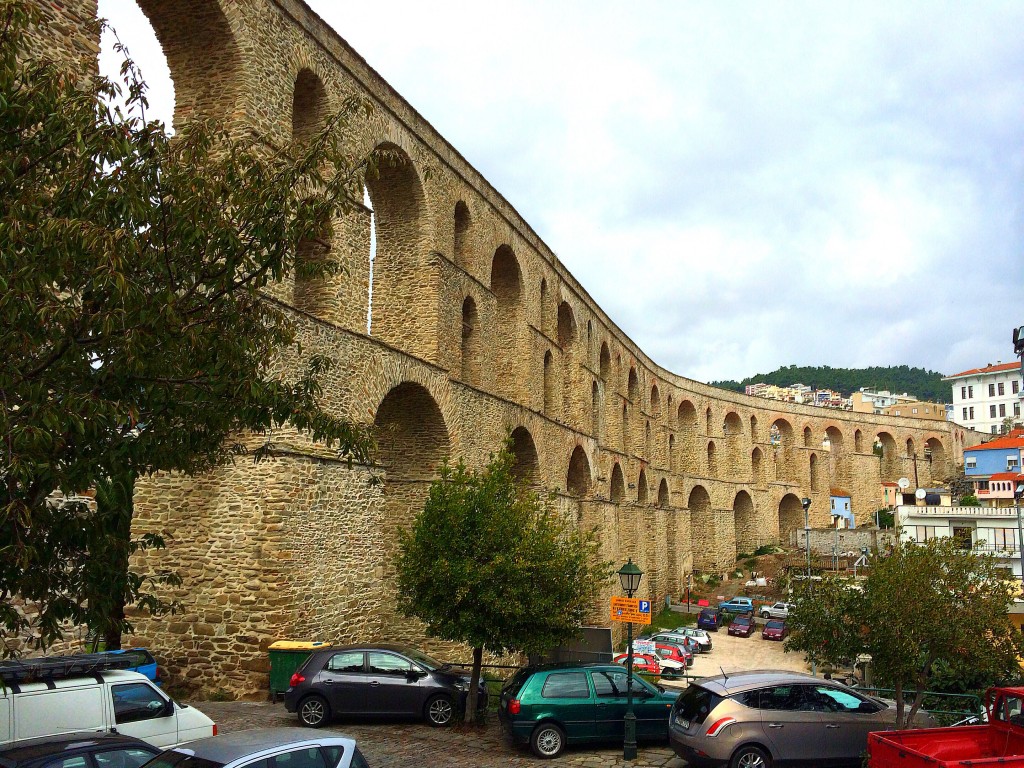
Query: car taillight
(514, 706)
(214, 729)
(720, 725)
(296, 679)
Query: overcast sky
(739, 186)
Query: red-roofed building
(983, 398)
(995, 468)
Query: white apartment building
(984, 397)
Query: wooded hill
(918, 382)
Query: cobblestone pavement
(401, 744)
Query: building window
(972, 462)
(924, 532)
(1001, 392)
(965, 414)
(991, 390)
(972, 412)
(983, 485)
(913, 410)
(1015, 386)
(963, 393)
(970, 391)
(1016, 409)
(1002, 409)
(994, 429)
(1002, 538)
(1012, 463)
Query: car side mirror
(413, 675)
(168, 709)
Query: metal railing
(946, 708)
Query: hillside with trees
(921, 383)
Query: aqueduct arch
(791, 517)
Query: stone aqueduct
(476, 331)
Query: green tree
(490, 564)
(926, 610)
(135, 330)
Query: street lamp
(629, 577)
(806, 504)
(1018, 491)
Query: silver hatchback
(758, 719)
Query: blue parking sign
(644, 606)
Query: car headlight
(462, 685)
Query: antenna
(723, 674)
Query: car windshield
(423, 660)
(172, 758)
(774, 625)
(741, 620)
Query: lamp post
(629, 577)
(806, 504)
(1018, 492)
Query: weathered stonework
(477, 330)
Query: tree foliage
(927, 612)
(135, 329)
(919, 382)
(491, 564)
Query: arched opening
(618, 487)
(605, 364)
(648, 443)
(633, 386)
(625, 428)
(577, 481)
(712, 459)
(595, 409)
(663, 494)
(472, 346)
(506, 285)
(708, 422)
(655, 401)
(527, 467)
(461, 244)
(545, 312)
(753, 429)
(807, 437)
(757, 467)
(671, 453)
(309, 107)
(732, 428)
(813, 472)
(670, 414)
(858, 442)
(911, 452)
(748, 535)
(689, 446)
(566, 326)
(839, 460)
(412, 439)
(687, 419)
(400, 276)
(791, 518)
(549, 385)
(889, 465)
(703, 533)
(641, 487)
(935, 455)
(781, 437)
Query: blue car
(142, 661)
(710, 619)
(739, 605)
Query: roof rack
(61, 667)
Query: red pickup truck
(1000, 741)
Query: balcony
(906, 512)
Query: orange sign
(631, 609)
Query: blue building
(841, 511)
(994, 468)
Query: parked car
(79, 749)
(742, 626)
(737, 605)
(377, 680)
(710, 619)
(698, 634)
(774, 629)
(554, 705)
(776, 611)
(674, 652)
(52, 695)
(642, 662)
(263, 747)
(760, 719)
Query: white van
(103, 699)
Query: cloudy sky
(739, 185)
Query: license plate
(684, 723)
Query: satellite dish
(920, 493)
(903, 483)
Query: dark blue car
(710, 619)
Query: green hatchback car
(551, 706)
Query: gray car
(759, 719)
(264, 748)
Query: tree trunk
(474, 686)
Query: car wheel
(314, 711)
(749, 756)
(765, 614)
(440, 711)
(547, 741)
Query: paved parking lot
(396, 745)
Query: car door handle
(374, 682)
(774, 725)
(328, 682)
(831, 725)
